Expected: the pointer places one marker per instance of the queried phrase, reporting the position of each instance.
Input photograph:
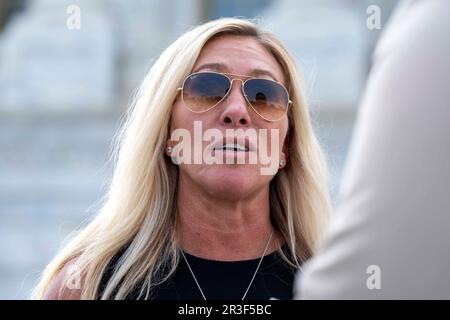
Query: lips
(232, 147)
(240, 144)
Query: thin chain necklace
(251, 281)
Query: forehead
(239, 55)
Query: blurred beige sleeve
(390, 234)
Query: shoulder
(67, 284)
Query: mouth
(232, 147)
(241, 146)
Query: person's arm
(392, 221)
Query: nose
(235, 109)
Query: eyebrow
(221, 67)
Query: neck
(224, 229)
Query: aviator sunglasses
(202, 91)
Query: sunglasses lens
(202, 91)
(269, 98)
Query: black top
(222, 279)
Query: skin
(223, 210)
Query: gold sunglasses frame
(227, 75)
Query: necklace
(251, 281)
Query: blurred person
(390, 234)
(173, 230)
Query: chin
(233, 181)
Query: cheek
(178, 114)
(183, 118)
(282, 139)
(277, 134)
(283, 132)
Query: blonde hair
(139, 208)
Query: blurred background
(68, 70)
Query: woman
(172, 229)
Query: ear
(284, 156)
(283, 161)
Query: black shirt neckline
(228, 262)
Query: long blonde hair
(138, 212)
